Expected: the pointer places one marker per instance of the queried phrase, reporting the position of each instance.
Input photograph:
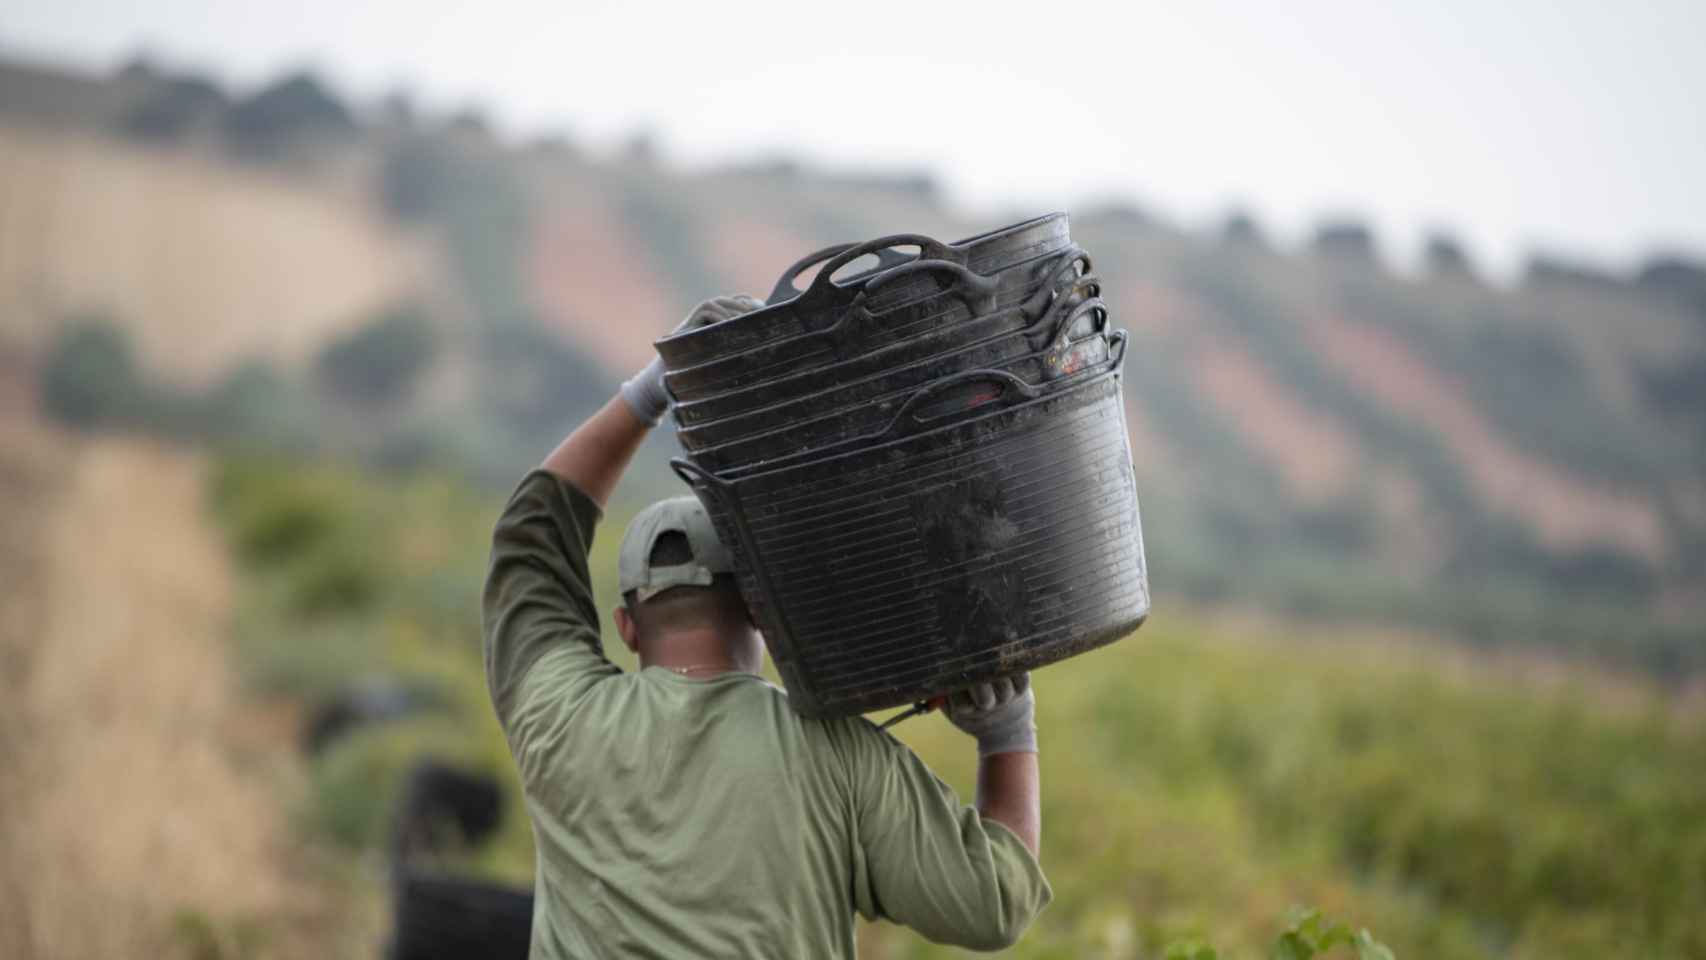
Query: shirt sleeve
(924, 859)
(541, 632)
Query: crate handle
(905, 419)
(928, 249)
(784, 289)
(974, 290)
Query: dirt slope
(145, 804)
(206, 264)
(593, 281)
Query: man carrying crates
(684, 809)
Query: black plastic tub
(792, 312)
(984, 342)
(1065, 280)
(875, 320)
(831, 422)
(943, 556)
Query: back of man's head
(717, 606)
(677, 576)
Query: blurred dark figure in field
(438, 914)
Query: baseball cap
(683, 515)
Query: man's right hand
(999, 714)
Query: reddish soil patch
(1565, 512)
(751, 254)
(596, 284)
(1149, 309)
(1313, 454)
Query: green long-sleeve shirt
(677, 817)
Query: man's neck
(691, 654)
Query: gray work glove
(999, 714)
(644, 391)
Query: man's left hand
(644, 392)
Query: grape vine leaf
(1369, 948)
(1190, 950)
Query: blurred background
(290, 296)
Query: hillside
(1312, 432)
(207, 264)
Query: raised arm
(541, 622)
(595, 455)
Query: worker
(684, 810)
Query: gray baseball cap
(684, 515)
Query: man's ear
(629, 630)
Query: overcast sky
(1574, 126)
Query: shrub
(1346, 240)
(1675, 277)
(283, 657)
(1446, 258)
(1308, 933)
(1240, 229)
(339, 578)
(90, 375)
(278, 522)
(295, 108)
(537, 381)
(257, 408)
(1546, 270)
(415, 178)
(479, 203)
(357, 781)
(379, 363)
(172, 110)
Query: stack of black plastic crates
(921, 462)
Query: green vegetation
(362, 399)
(482, 207)
(379, 363)
(1348, 241)
(1308, 934)
(535, 377)
(173, 109)
(200, 937)
(91, 379)
(350, 578)
(1196, 783)
(292, 112)
(89, 375)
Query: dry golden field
(146, 802)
